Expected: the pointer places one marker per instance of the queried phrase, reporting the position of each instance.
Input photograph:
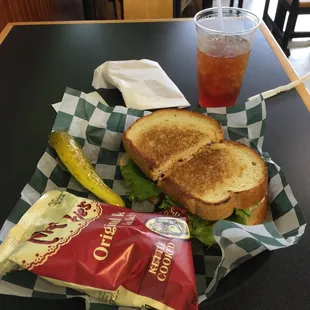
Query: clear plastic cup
(223, 53)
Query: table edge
(285, 63)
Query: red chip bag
(116, 255)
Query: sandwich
(180, 158)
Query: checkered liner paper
(98, 129)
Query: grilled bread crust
(259, 214)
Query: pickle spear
(79, 166)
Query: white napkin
(143, 84)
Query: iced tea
(224, 43)
(220, 78)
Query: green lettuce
(201, 229)
(240, 219)
(167, 203)
(243, 212)
(139, 187)
(240, 215)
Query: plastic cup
(223, 53)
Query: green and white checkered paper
(98, 129)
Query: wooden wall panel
(148, 9)
(39, 10)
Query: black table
(38, 62)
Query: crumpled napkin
(143, 84)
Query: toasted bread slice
(219, 178)
(259, 214)
(157, 141)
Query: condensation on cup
(223, 52)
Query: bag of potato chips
(116, 255)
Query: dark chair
(118, 8)
(89, 10)
(209, 3)
(294, 8)
(240, 3)
(90, 13)
(205, 4)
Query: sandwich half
(160, 140)
(216, 180)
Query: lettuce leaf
(244, 213)
(240, 219)
(138, 185)
(240, 215)
(201, 229)
(198, 228)
(167, 203)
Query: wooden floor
(300, 48)
(150, 9)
